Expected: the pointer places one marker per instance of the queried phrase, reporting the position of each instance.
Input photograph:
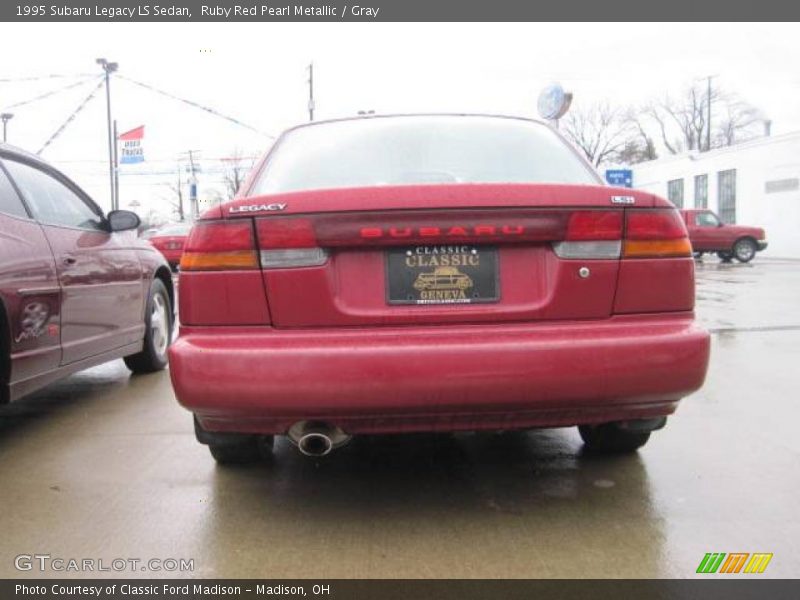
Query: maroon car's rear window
(420, 150)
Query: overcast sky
(257, 73)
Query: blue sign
(620, 177)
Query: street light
(553, 103)
(109, 67)
(6, 117)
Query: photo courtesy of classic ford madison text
(396, 300)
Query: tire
(744, 250)
(610, 438)
(158, 332)
(249, 450)
(725, 256)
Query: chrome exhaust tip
(315, 438)
(315, 444)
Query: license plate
(458, 274)
(173, 245)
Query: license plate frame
(470, 275)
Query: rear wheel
(248, 450)
(611, 438)
(234, 448)
(725, 256)
(158, 332)
(744, 250)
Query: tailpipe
(313, 438)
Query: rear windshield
(419, 150)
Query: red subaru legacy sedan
(76, 286)
(433, 273)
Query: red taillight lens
(220, 245)
(585, 225)
(286, 232)
(655, 233)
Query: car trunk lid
(439, 254)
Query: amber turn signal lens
(217, 261)
(656, 248)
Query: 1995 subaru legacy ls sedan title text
(433, 273)
(77, 288)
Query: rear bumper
(260, 379)
(761, 245)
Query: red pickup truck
(708, 233)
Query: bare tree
(740, 122)
(683, 122)
(236, 168)
(639, 146)
(601, 130)
(176, 190)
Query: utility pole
(708, 79)
(193, 168)
(109, 68)
(180, 195)
(116, 165)
(311, 91)
(6, 117)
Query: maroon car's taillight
(220, 245)
(655, 233)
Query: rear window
(384, 151)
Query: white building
(752, 183)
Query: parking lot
(105, 465)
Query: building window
(701, 191)
(726, 195)
(675, 192)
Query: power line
(41, 77)
(48, 94)
(196, 105)
(71, 116)
(170, 160)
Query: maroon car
(169, 240)
(433, 273)
(77, 288)
(708, 233)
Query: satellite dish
(553, 102)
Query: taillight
(220, 245)
(655, 233)
(592, 234)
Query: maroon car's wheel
(611, 438)
(158, 332)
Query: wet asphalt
(105, 466)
